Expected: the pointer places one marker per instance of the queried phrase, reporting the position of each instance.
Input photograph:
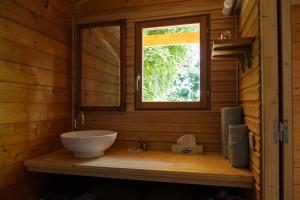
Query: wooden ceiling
(91, 6)
(114, 3)
(78, 1)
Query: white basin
(88, 144)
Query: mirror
(100, 81)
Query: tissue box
(181, 149)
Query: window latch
(137, 80)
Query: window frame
(204, 103)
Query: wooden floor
(163, 166)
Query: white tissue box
(181, 149)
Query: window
(172, 64)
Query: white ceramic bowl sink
(88, 144)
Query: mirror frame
(78, 66)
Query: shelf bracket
(240, 48)
(245, 59)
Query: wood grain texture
(99, 87)
(162, 128)
(296, 98)
(287, 93)
(250, 87)
(35, 86)
(163, 166)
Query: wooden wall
(100, 67)
(296, 97)
(250, 87)
(162, 128)
(35, 85)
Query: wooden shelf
(163, 166)
(232, 43)
(233, 48)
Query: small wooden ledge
(233, 48)
(163, 166)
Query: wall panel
(250, 87)
(296, 97)
(162, 128)
(35, 86)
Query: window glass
(171, 63)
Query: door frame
(270, 98)
(287, 99)
(273, 110)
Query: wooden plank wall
(100, 68)
(296, 97)
(250, 87)
(35, 85)
(162, 128)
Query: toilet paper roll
(238, 145)
(229, 116)
(228, 3)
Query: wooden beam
(287, 99)
(111, 39)
(270, 98)
(172, 38)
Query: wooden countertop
(164, 166)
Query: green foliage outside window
(171, 72)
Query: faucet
(82, 119)
(143, 145)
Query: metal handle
(82, 118)
(137, 80)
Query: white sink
(88, 144)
